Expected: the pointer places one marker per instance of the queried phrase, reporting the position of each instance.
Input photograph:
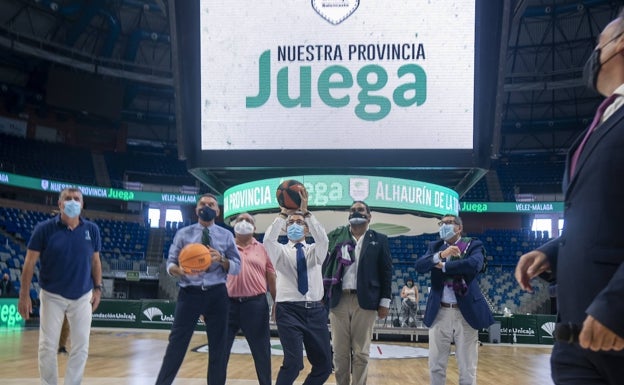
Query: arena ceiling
(541, 102)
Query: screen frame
(487, 34)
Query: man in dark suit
(587, 258)
(358, 279)
(456, 308)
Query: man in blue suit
(456, 308)
(587, 259)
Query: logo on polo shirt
(87, 235)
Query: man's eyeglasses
(298, 221)
(449, 222)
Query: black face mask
(592, 67)
(592, 70)
(357, 218)
(207, 214)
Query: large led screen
(337, 74)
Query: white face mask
(243, 228)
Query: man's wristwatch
(97, 287)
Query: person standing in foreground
(70, 276)
(300, 316)
(202, 294)
(359, 270)
(587, 258)
(456, 308)
(249, 307)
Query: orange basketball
(194, 258)
(288, 194)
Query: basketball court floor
(133, 357)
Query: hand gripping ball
(194, 258)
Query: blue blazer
(588, 257)
(473, 306)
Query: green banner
(523, 329)
(117, 313)
(342, 190)
(511, 207)
(159, 314)
(545, 328)
(93, 191)
(505, 330)
(9, 316)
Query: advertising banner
(117, 313)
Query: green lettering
(366, 99)
(325, 84)
(418, 87)
(264, 82)
(305, 88)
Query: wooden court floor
(133, 357)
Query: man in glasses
(456, 308)
(300, 315)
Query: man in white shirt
(301, 317)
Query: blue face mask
(447, 231)
(71, 208)
(295, 232)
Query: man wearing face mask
(249, 307)
(358, 277)
(201, 294)
(587, 258)
(300, 314)
(456, 308)
(70, 276)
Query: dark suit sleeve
(385, 268)
(424, 263)
(608, 306)
(470, 264)
(551, 249)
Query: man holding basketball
(301, 316)
(201, 294)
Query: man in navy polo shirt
(70, 275)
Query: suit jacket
(587, 258)
(374, 272)
(473, 306)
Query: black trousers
(572, 365)
(214, 304)
(300, 327)
(251, 316)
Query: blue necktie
(302, 270)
